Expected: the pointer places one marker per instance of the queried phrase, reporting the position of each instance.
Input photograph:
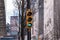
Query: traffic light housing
(28, 18)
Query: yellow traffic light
(29, 18)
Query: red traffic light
(29, 14)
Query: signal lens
(29, 14)
(29, 24)
(29, 19)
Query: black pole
(28, 30)
(28, 4)
(29, 34)
(22, 21)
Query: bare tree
(18, 4)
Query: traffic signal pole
(28, 30)
(29, 34)
(22, 21)
(28, 4)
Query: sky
(9, 9)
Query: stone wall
(48, 19)
(35, 27)
(56, 19)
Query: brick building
(2, 18)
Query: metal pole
(29, 34)
(22, 21)
(19, 23)
(28, 30)
(28, 4)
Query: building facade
(35, 27)
(57, 19)
(51, 19)
(41, 19)
(2, 19)
(14, 25)
(48, 19)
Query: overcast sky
(9, 8)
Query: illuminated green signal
(29, 24)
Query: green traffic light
(29, 24)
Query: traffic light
(29, 18)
